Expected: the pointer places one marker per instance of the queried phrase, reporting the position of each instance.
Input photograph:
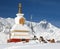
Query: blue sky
(39, 9)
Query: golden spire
(19, 8)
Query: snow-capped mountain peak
(44, 24)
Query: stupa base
(17, 40)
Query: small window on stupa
(22, 21)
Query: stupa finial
(19, 8)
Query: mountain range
(43, 28)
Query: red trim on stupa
(17, 40)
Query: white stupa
(19, 31)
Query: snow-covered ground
(31, 46)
